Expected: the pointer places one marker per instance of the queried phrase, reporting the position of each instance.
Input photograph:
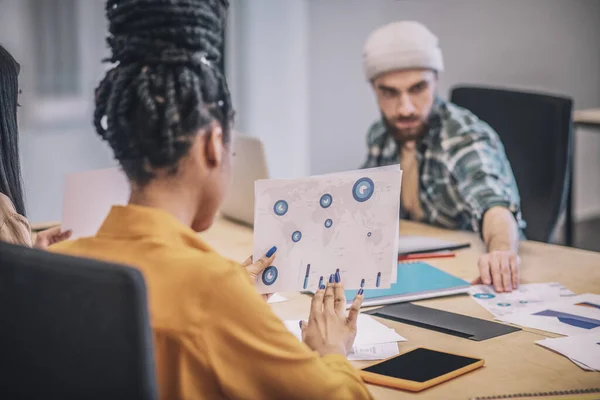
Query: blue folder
(416, 281)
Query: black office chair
(72, 328)
(536, 130)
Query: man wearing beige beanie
(456, 174)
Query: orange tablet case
(413, 386)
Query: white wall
(267, 70)
(550, 45)
(49, 151)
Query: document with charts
(502, 304)
(569, 316)
(346, 221)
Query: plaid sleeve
(374, 145)
(483, 178)
(381, 147)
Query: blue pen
(306, 276)
(378, 279)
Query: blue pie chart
(269, 275)
(363, 189)
(280, 207)
(484, 296)
(296, 236)
(326, 200)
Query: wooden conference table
(513, 363)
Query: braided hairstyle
(166, 85)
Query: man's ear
(214, 146)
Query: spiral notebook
(581, 394)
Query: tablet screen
(420, 365)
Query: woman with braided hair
(166, 112)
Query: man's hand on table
(500, 265)
(501, 269)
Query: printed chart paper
(379, 351)
(583, 350)
(501, 304)
(570, 316)
(346, 221)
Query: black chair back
(72, 328)
(536, 130)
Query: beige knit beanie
(401, 45)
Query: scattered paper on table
(583, 350)
(501, 304)
(370, 335)
(276, 298)
(89, 196)
(346, 221)
(569, 316)
(371, 331)
(374, 340)
(379, 351)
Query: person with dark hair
(166, 112)
(14, 227)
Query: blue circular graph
(363, 189)
(369, 234)
(296, 236)
(328, 223)
(280, 207)
(326, 200)
(484, 296)
(269, 275)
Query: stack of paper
(583, 350)
(551, 307)
(374, 340)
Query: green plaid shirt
(463, 169)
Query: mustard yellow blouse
(214, 336)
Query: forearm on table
(500, 230)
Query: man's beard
(408, 134)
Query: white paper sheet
(88, 197)
(369, 331)
(501, 304)
(373, 352)
(346, 221)
(569, 316)
(583, 350)
(276, 298)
